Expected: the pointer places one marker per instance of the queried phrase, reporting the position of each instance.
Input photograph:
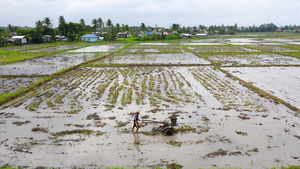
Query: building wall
(24, 40)
(89, 39)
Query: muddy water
(270, 59)
(163, 44)
(174, 58)
(241, 41)
(221, 49)
(233, 127)
(13, 48)
(283, 82)
(9, 85)
(56, 48)
(46, 65)
(100, 48)
(202, 43)
(154, 48)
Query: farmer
(136, 121)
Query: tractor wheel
(168, 132)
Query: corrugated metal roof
(151, 32)
(18, 37)
(90, 36)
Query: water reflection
(137, 142)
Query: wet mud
(46, 65)
(152, 59)
(280, 81)
(56, 48)
(101, 48)
(83, 118)
(12, 84)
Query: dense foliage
(3, 39)
(73, 31)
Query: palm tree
(82, 23)
(143, 27)
(118, 27)
(11, 28)
(175, 27)
(62, 23)
(125, 29)
(99, 22)
(47, 23)
(95, 24)
(109, 23)
(39, 28)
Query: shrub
(18, 42)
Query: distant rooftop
(90, 36)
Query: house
(201, 35)
(122, 35)
(216, 32)
(152, 33)
(59, 38)
(186, 35)
(11, 34)
(90, 38)
(101, 38)
(46, 38)
(23, 39)
(166, 33)
(296, 31)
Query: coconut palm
(12, 28)
(108, 23)
(125, 29)
(82, 23)
(62, 24)
(39, 28)
(95, 24)
(100, 23)
(47, 22)
(175, 27)
(118, 27)
(143, 27)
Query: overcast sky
(162, 13)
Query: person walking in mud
(136, 121)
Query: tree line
(73, 31)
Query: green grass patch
(185, 128)
(9, 96)
(33, 106)
(15, 56)
(70, 132)
(292, 54)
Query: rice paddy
(82, 116)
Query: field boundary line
(4, 98)
(261, 92)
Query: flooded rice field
(45, 65)
(155, 44)
(283, 82)
(153, 59)
(83, 117)
(253, 60)
(272, 48)
(11, 84)
(153, 48)
(25, 47)
(221, 49)
(56, 48)
(202, 44)
(101, 48)
(86, 115)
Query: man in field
(136, 121)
